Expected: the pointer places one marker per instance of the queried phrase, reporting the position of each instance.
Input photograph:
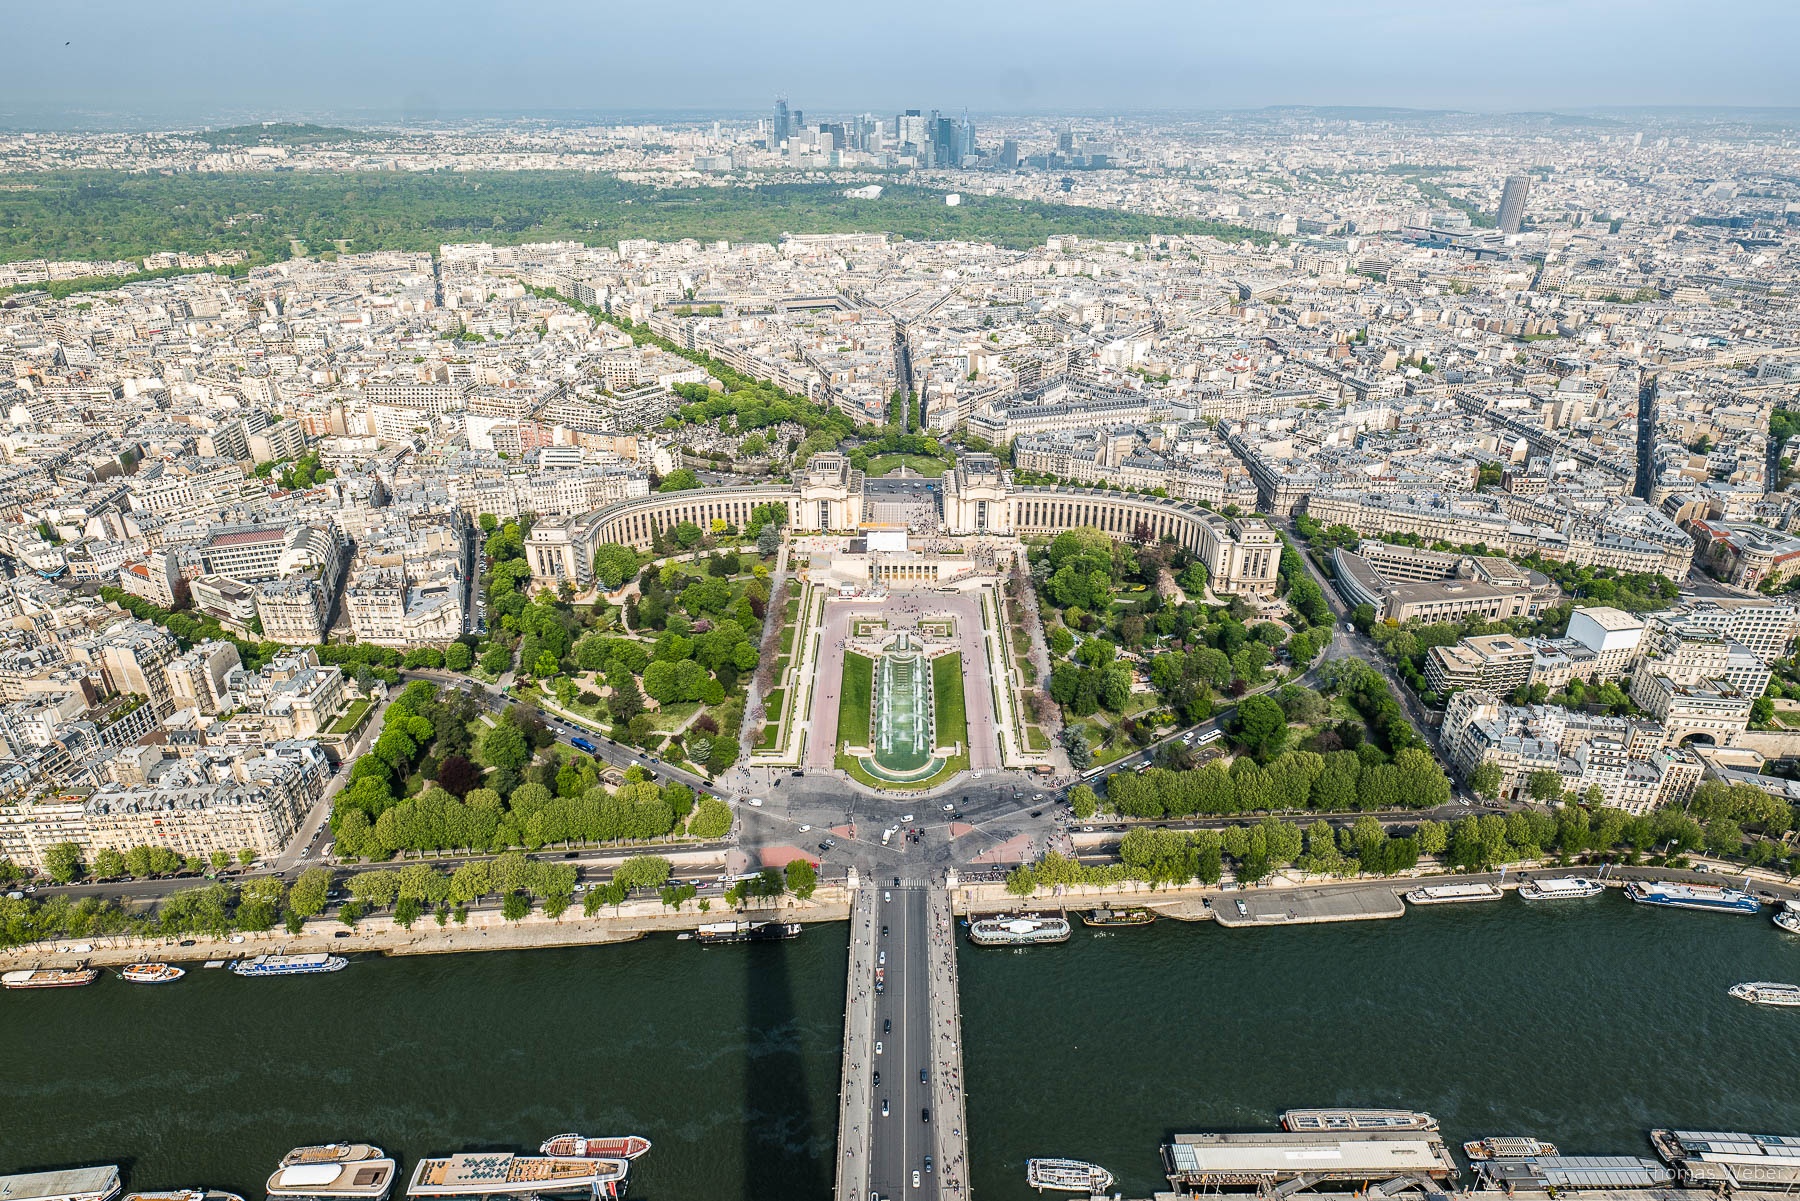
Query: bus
(582, 744)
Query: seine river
(1584, 1022)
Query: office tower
(1065, 140)
(944, 149)
(778, 133)
(967, 138)
(911, 131)
(1512, 202)
(1009, 154)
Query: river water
(1583, 1022)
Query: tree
(768, 540)
(679, 480)
(1083, 801)
(458, 656)
(516, 907)
(1075, 742)
(108, 863)
(307, 897)
(802, 878)
(1484, 781)
(504, 747)
(62, 861)
(1260, 727)
(1545, 785)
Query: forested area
(109, 215)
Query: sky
(168, 61)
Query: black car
(189, 942)
(925, 1115)
(1037, 813)
(796, 773)
(824, 846)
(884, 932)
(887, 1026)
(573, 855)
(877, 1079)
(341, 934)
(921, 1075)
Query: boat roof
(1336, 1154)
(1579, 1172)
(352, 1177)
(68, 1182)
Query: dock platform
(1307, 906)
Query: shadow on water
(780, 1157)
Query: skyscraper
(1009, 154)
(778, 133)
(1512, 202)
(1065, 140)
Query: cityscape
(898, 636)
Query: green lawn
(853, 707)
(674, 713)
(1037, 739)
(947, 700)
(919, 464)
(347, 722)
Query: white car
(948, 807)
(905, 818)
(804, 829)
(915, 1179)
(881, 960)
(755, 802)
(877, 1048)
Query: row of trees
(1297, 781)
(63, 862)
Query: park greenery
(114, 214)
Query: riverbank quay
(1295, 898)
(1623, 1194)
(485, 930)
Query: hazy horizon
(187, 64)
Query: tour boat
(717, 932)
(1320, 1120)
(1677, 895)
(1018, 931)
(1135, 916)
(580, 1145)
(1068, 1175)
(184, 1194)
(155, 973)
(333, 1172)
(1764, 992)
(50, 977)
(1560, 888)
(1507, 1147)
(289, 965)
(482, 1174)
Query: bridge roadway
(909, 1036)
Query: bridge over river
(901, 1105)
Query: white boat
(289, 965)
(153, 973)
(1765, 992)
(1678, 895)
(1789, 917)
(1560, 888)
(1453, 894)
(1067, 1175)
(1321, 1120)
(1018, 931)
(1507, 1146)
(332, 1172)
